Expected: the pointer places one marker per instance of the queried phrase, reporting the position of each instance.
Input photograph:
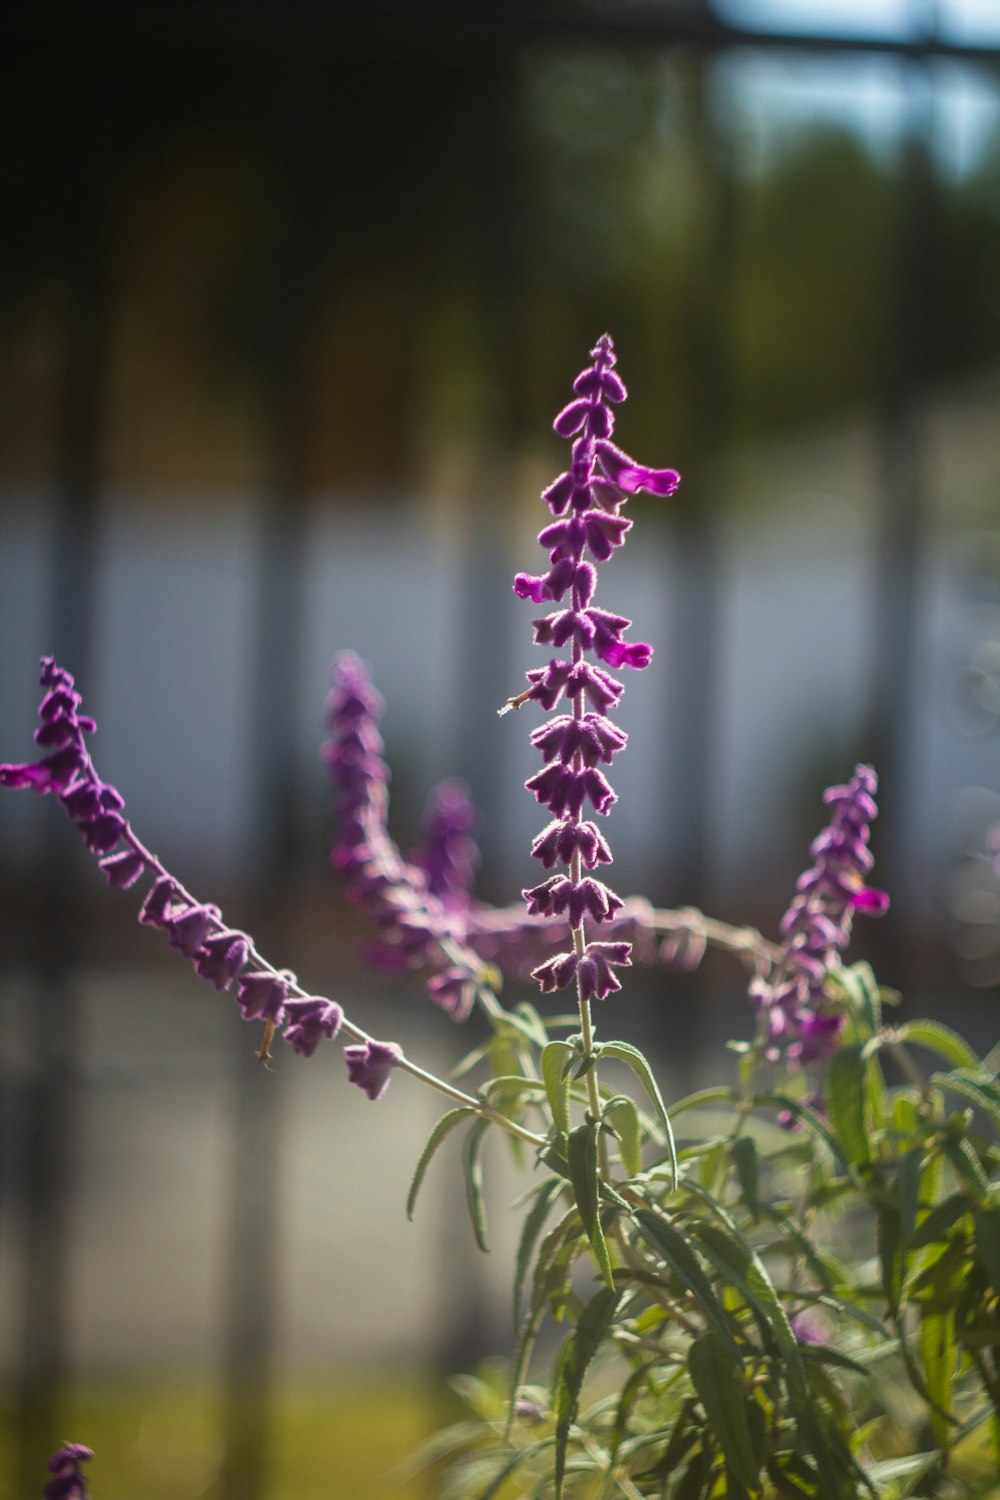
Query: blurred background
(289, 294)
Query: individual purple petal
(50, 774)
(632, 477)
(370, 1065)
(309, 1020)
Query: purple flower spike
(817, 926)
(308, 1021)
(586, 502)
(68, 1482)
(370, 1066)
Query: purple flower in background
(68, 1481)
(586, 500)
(816, 928)
(447, 854)
(421, 907)
(370, 1065)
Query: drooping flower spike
(220, 954)
(816, 928)
(586, 500)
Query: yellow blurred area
(159, 1439)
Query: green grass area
(162, 1439)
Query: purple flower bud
(560, 841)
(595, 971)
(222, 958)
(454, 992)
(123, 870)
(263, 996)
(370, 1066)
(556, 973)
(104, 832)
(82, 800)
(156, 909)
(188, 930)
(308, 1021)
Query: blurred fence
(820, 600)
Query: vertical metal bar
(898, 543)
(276, 666)
(51, 1101)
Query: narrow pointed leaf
(583, 1175)
(940, 1040)
(574, 1361)
(633, 1058)
(845, 1098)
(441, 1130)
(681, 1259)
(533, 1225)
(721, 1390)
(623, 1115)
(474, 1181)
(555, 1058)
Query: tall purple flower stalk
(798, 1022)
(222, 955)
(586, 502)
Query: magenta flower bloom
(370, 1065)
(588, 528)
(68, 1481)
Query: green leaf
(987, 1222)
(508, 1088)
(940, 1040)
(937, 1355)
(622, 1112)
(745, 1161)
(892, 1257)
(506, 1470)
(443, 1128)
(474, 1180)
(686, 1432)
(909, 1173)
(817, 1126)
(845, 1098)
(702, 1098)
(583, 1175)
(556, 1058)
(942, 1217)
(574, 1361)
(979, 1089)
(533, 1226)
(681, 1259)
(634, 1059)
(721, 1389)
